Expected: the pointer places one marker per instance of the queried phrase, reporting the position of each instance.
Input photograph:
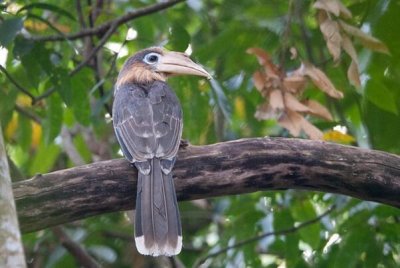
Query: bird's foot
(184, 144)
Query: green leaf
(24, 132)
(80, 99)
(3, 6)
(32, 67)
(377, 93)
(292, 251)
(145, 28)
(9, 29)
(54, 117)
(284, 220)
(44, 159)
(304, 211)
(8, 97)
(22, 46)
(179, 38)
(352, 246)
(46, 6)
(69, 119)
(373, 253)
(62, 83)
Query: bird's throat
(139, 75)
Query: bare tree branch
(69, 147)
(227, 168)
(75, 249)
(80, 13)
(113, 23)
(103, 40)
(83, 63)
(106, 29)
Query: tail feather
(157, 222)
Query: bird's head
(157, 64)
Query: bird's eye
(151, 58)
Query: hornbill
(147, 119)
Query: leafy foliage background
(57, 117)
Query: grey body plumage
(149, 129)
(147, 119)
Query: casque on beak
(176, 63)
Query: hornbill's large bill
(147, 119)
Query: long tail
(157, 221)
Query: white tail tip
(155, 250)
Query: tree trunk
(11, 250)
(235, 167)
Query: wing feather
(147, 121)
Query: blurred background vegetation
(56, 92)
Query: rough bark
(235, 167)
(11, 250)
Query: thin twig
(286, 35)
(107, 25)
(80, 14)
(264, 235)
(74, 248)
(103, 40)
(53, 89)
(107, 75)
(304, 31)
(44, 95)
(28, 114)
(110, 27)
(16, 84)
(114, 59)
(82, 64)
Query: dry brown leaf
(322, 16)
(273, 81)
(349, 48)
(261, 55)
(265, 111)
(321, 81)
(367, 40)
(259, 80)
(318, 109)
(264, 59)
(292, 122)
(353, 74)
(293, 104)
(330, 6)
(282, 93)
(276, 100)
(330, 30)
(333, 6)
(344, 11)
(312, 131)
(295, 83)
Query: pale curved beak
(176, 63)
